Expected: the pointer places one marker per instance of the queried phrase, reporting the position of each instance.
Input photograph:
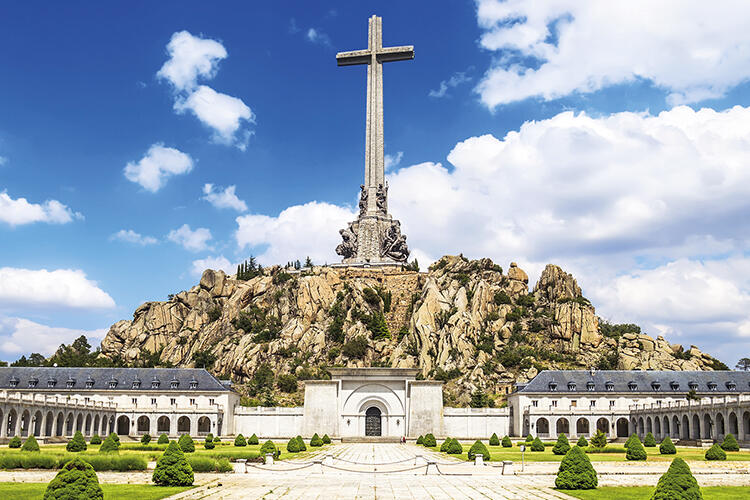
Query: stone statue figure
(394, 244)
(347, 248)
(382, 198)
(362, 199)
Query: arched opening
(562, 426)
(685, 429)
(708, 426)
(373, 423)
(49, 424)
(657, 427)
(622, 427)
(649, 426)
(204, 425)
(183, 424)
(25, 423)
(582, 426)
(111, 425)
(69, 423)
(696, 427)
(79, 422)
(96, 424)
(603, 425)
(720, 425)
(676, 427)
(640, 428)
(733, 428)
(542, 427)
(12, 419)
(59, 424)
(162, 424)
(143, 424)
(123, 425)
(36, 423)
(665, 428)
(87, 426)
(746, 424)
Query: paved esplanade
(374, 237)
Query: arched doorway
(622, 427)
(204, 426)
(665, 428)
(49, 424)
(37, 423)
(183, 424)
(603, 425)
(562, 426)
(733, 427)
(542, 427)
(123, 425)
(582, 426)
(162, 424)
(87, 425)
(143, 424)
(25, 422)
(373, 425)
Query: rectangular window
(554, 403)
(134, 401)
(87, 399)
(192, 401)
(153, 401)
(535, 403)
(211, 401)
(172, 401)
(592, 403)
(611, 403)
(573, 403)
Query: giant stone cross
(375, 237)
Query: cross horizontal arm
(388, 54)
(353, 57)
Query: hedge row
(100, 462)
(206, 464)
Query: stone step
(371, 439)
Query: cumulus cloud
(454, 81)
(393, 161)
(190, 59)
(215, 263)
(297, 232)
(3, 160)
(130, 236)
(17, 212)
(22, 336)
(223, 199)
(194, 241)
(317, 36)
(552, 49)
(159, 163)
(60, 287)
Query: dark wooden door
(372, 422)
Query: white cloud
(195, 241)
(19, 211)
(215, 263)
(190, 57)
(392, 161)
(130, 236)
(454, 81)
(223, 113)
(160, 163)
(298, 231)
(22, 336)
(552, 49)
(317, 36)
(60, 287)
(223, 199)
(3, 160)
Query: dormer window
(632, 386)
(14, 382)
(590, 386)
(174, 383)
(552, 386)
(193, 383)
(112, 383)
(656, 386)
(571, 386)
(136, 383)
(70, 383)
(609, 385)
(712, 386)
(155, 383)
(731, 385)
(89, 382)
(51, 382)
(33, 382)
(674, 385)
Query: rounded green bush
(301, 442)
(562, 446)
(96, 439)
(253, 440)
(115, 438)
(537, 445)
(30, 444)
(109, 445)
(455, 447)
(507, 443)
(77, 443)
(146, 438)
(494, 440)
(172, 469)
(730, 443)
(576, 471)
(649, 441)
(217, 439)
(667, 447)
(420, 440)
(240, 440)
(446, 444)
(636, 450)
(677, 483)
(15, 442)
(326, 439)
(716, 453)
(429, 441)
(529, 439)
(186, 443)
(582, 443)
(163, 439)
(76, 480)
(269, 447)
(631, 439)
(479, 447)
(316, 441)
(292, 446)
(209, 442)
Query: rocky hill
(465, 322)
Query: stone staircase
(371, 439)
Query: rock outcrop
(463, 321)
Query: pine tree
(730, 443)
(716, 453)
(667, 447)
(599, 440)
(186, 443)
(562, 446)
(477, 448)
(636, 450)
(446, 444)
(576, 471)
(253, 440)
(240, 440)
(677, 483)
(163, 439)
(316, 441)
(109, 445)
(292, 446)
(146, 438)
(494, 440)
(537, 445)
(30, 444)
(649, 441)
(326, 439)
(96, 439)
(75, 480)
(172, 468)
(582, 443)
(15, 442)
(507, 442)
(77, 443)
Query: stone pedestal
(373, 239)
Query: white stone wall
(321, 408)
(268, 423)
(475, 423)
(425, 408)
(388, 396)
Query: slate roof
(42, 379)
(638, 381)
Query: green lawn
(645, 492)
(499, 453)
(35, 491)
(225, 450)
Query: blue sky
(608, 142)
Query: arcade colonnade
(546, 425)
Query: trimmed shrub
(599, 440)
(96, 439)
(77, 443)
(667, 447)
(420, 440)
(576, 471)
(186, 443)
(163, 439)
(633, 437)
(326, 439)
(507, 442)
(115, 438)
(529, 439)
(316, 441)
(292, 446)
(209, 442)
(109, 446)
(206, 464)
(730, 443)
(76, 479)
(269, 447)
(253, 439)
(172, 469)
(649, 441)
(146, 438)
(636, 450)
(217, 439)
(677, 482)
(582, 443)
(716, 453)
(455, 447)
(110, 461)
(479, 447)
(15, 442)
(537, 445)
(301, 442)
(446, 444)
(562, 447)
(494, 440)
(429, 441)
(240, 440)
(30, 444)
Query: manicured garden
(646, 492)
(35, 491)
